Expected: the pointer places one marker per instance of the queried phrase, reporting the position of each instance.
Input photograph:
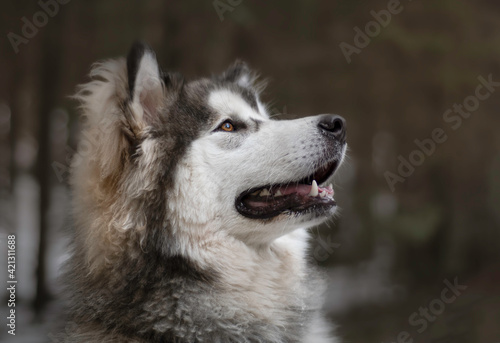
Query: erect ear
(146, 88)
(239, 73)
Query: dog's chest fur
(238, 296)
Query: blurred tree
(49, 92)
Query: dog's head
(202, 155)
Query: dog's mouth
(297, 197)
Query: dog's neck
(246, 284)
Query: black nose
(333, 126)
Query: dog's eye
(227, 126)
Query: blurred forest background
(389, 252)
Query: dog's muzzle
(305, 194)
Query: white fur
(212, 174)
(262, 263)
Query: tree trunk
(49, 80)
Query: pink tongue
(300, 189)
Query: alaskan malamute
(191, 207)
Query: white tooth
(255, 193)
(314, 189)
(278, 193)
(330, 186)
(264, 192)
(322, 194)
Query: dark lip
(317, 205)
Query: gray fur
(129, 278)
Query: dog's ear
(145, 85)
(173, 82)
(239, 73)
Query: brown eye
(227, 126)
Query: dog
(190, 207)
